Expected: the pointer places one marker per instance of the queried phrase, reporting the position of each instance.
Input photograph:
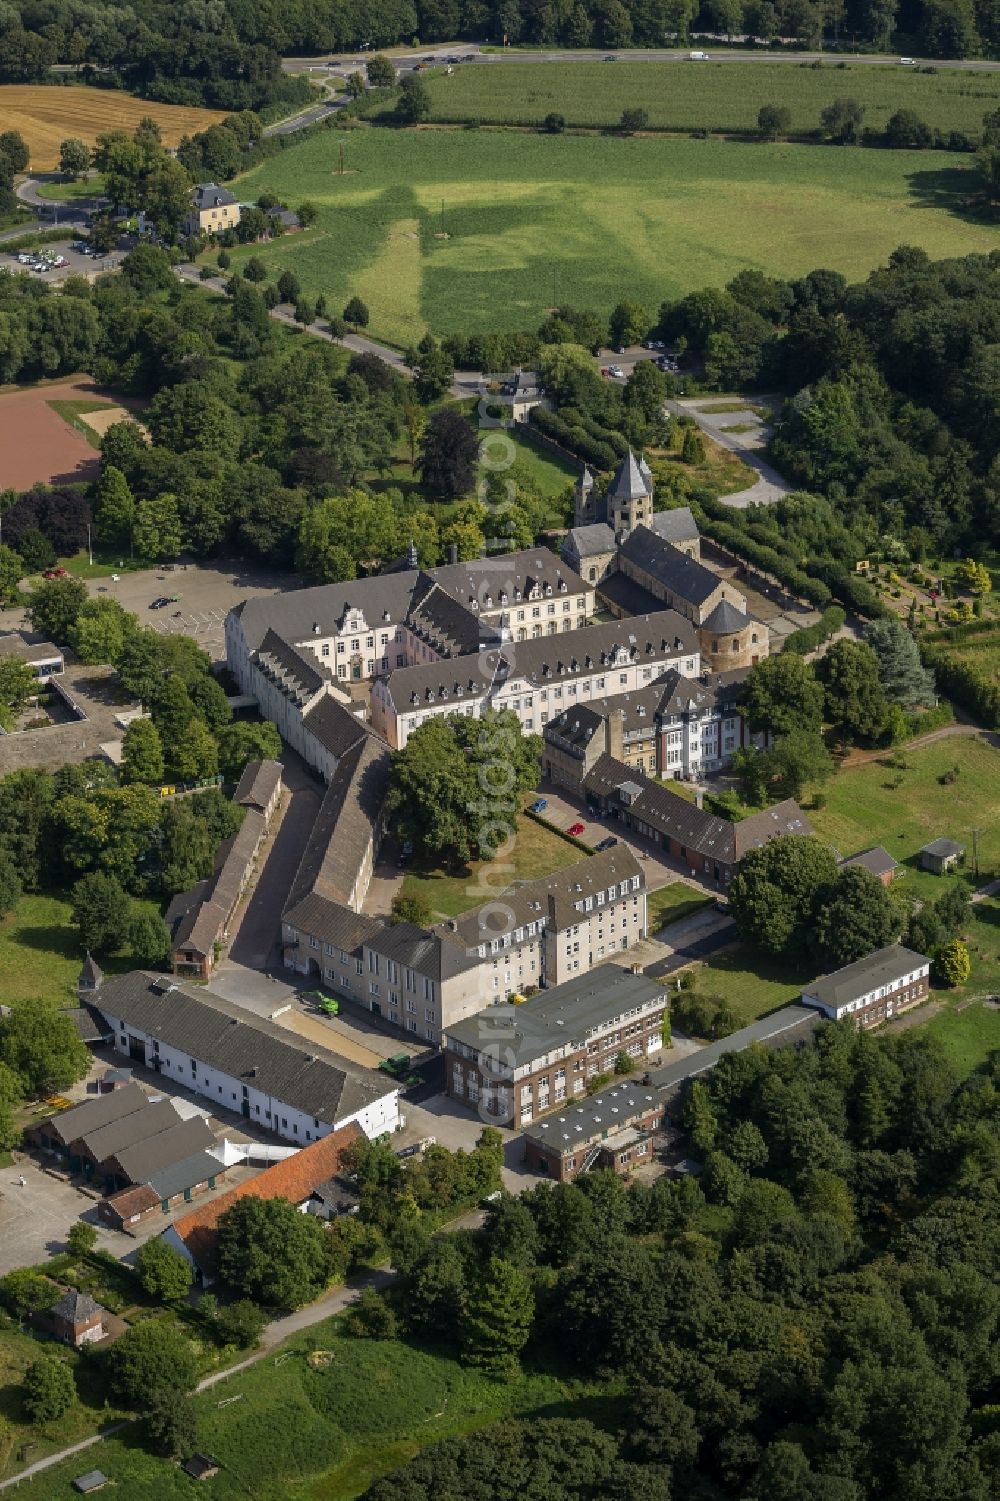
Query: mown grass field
(46, 114)
(531, 220)
(673, 902)
(750, 982)
(324, 1430)
(862, 808)
(711, 95)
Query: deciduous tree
(163, 1272)
(775, 891)
(48, 1389)
(853, 917)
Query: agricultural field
(468, 231)
(712, 96)
(904, 807)
(45, 115)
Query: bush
(708, 1016)
(806, 640)
(952, 964)
(48, 1389)
(554, 123)
(241, 1323)
(82, 1238)
(371, 1317)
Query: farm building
(876, 860)
(941, 855)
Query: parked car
(54, 573)
(605, 371)
(160, 603)
(616, 371)
(576, 829)
(611, 58)
(607, 844)
(539, 805)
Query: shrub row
(768, 559)
(807, 639)
(599, 454)
(967, 684)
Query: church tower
(630, 496)
(586, 507)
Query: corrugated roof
(293, 1179)
(217, 1032)
(70, 1125)
(142, 1161)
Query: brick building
(610, 1130)
(513, 1063)
(873, 989)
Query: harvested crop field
(45, 115)
(37, 445)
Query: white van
(698, 57)
(908, 62)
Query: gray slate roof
(293, 616)
(75, 1307)
(429, 953)
(345, 825)
(198, 1022)
(543, 661)
(942, 848)
(630, 480)
(682, 576)
(210, 195)
(877, 860)
(71, 1124)
(883, 967)
(331, 922)
(258, 784)
(565, 1015)
(142, 1161)
(450, 627)
(675, 526)
(334, 726)
(726, 619)
(590, 541)
(605, 1114)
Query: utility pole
(975, 852)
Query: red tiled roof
(294, 1179)
(133, 1200)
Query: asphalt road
(471, 54)
(698, 948)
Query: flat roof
(609, 1113)
(767, 1030)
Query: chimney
(452, 552)
(615, 733)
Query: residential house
(523, 391)
(242, 1062)
(213, 210)
(873, 989)
(512, 1063)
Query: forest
(813, 1317)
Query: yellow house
(213, 210)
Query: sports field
(477, 230)
(46, 115)
(710, 95)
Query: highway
(341, 64)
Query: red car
(55, 573)
(576, 829)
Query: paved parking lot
(76, 263)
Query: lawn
(673, 902)
(322, 1419)
(864, 806)
(39, 950)
(70, 192)
(713, 95)
(968, 1036)
(46, 114)
(537, 851)
(750, 982)
(474, 231)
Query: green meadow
(467, 230)
(708, 96)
